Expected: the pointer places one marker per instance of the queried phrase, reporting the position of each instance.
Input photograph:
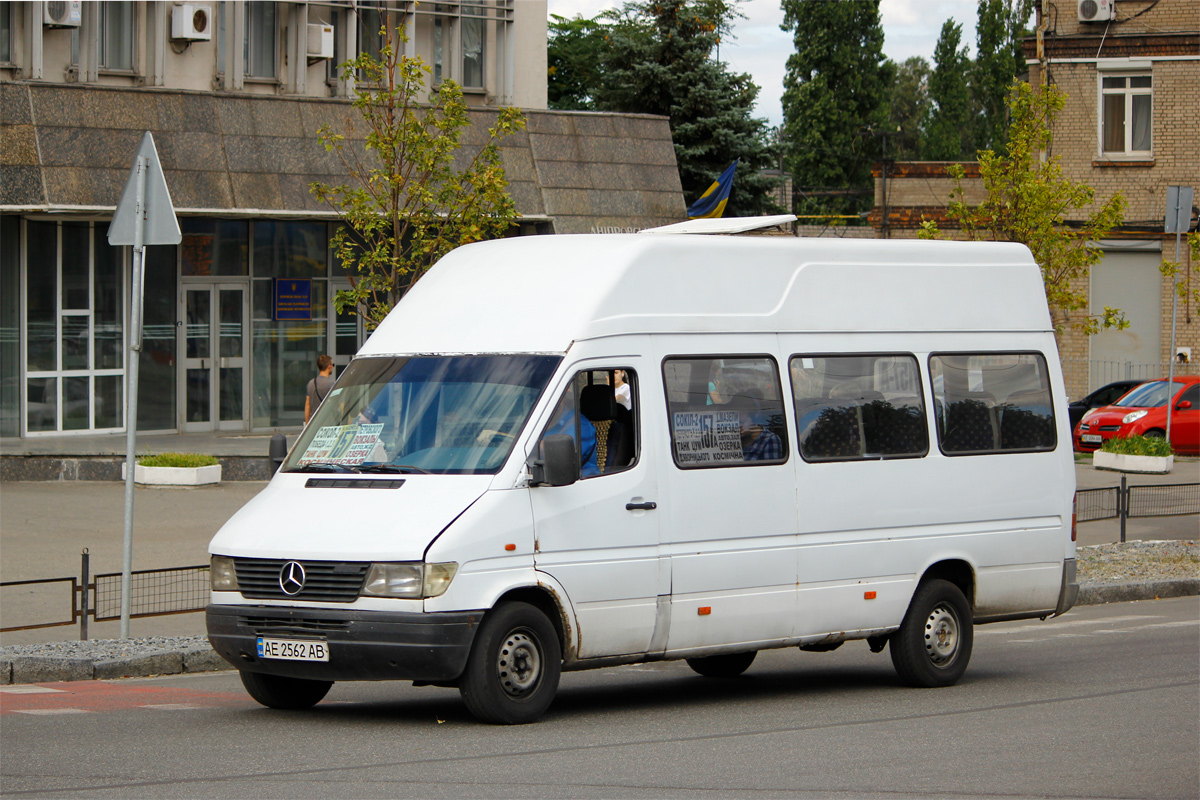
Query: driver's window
(598, 410)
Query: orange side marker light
(510, 547)
(868, 595)
(704, 611)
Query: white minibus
(566, 452)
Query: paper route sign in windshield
(707, 437)
(349, 445)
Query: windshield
(1149, 395)
(444, 414)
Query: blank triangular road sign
(157, 213)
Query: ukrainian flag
(712, 203)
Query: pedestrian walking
(318, 388)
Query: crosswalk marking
(28, 688)
(172, 707)
(45, 712)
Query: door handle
(649, 505)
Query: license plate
(292, 649)
(1092, 438)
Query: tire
(1155, 433)
(729, 665)
(276, 691)
(512, 673)
(933, 645)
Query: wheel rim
(942, 635)
(519, 663)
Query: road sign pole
(131, 389)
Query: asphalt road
(1104, 702)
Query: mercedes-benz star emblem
(291, 578)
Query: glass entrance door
(213, 379)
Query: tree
(908, 107)
(410, 203)
(999, 29)
(659, 61)
(574, 50)
(836, 86)
(1028, 200)
(947, 134)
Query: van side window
(605, 426)
(992, 403)
(859, 407)
(725, 411)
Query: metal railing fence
(1127, 502)
(153, 593)
(1083, 375)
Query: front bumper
(363, 645)
(1069, 589)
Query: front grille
(272, 625)
(325, 581)
(1110, 428)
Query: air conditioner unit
(62, 13)
(320, 41)
(1096, 10)
(192, 21)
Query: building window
(260, 40)
(5, 33)
(371, 20)
(1126, 104)
(116, 36)
(474, 45)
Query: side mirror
(559, 465)
(1183, 404)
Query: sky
(910, 28)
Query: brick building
(1131, 73)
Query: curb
(43, 669)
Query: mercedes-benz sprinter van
(566, 452)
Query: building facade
(234, 93)
(1130, 70)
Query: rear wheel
(934, 642)
(276, 691)
(512, 673)
(729, 665)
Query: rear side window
(725, 411)
(992, 403)
(859, 407)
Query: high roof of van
(541, 293)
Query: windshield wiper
(321, 466)
(396, 468)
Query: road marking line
(989, 630)
(1187, 623)
(45, 712)
(28, 689)
(172, 707)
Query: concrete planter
(175, 476)
(1154, 465)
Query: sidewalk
(44, 525)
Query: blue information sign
(293, 299)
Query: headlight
(223, 575)
(412, 580)
(1133, 416)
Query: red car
(1143, 412)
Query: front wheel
(933, 645)
(728, 665)
(276, 691)
(512, 673)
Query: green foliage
(414, 196)
(908, 106)
(1188, 289)
(1138, 446)
(1028, 200)
(999, 29)
(188, 460)
(947, 134)
(574, 52)
(835, 87)
(659, 60)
